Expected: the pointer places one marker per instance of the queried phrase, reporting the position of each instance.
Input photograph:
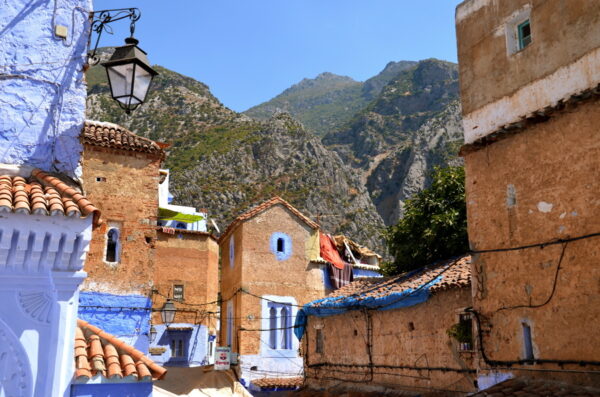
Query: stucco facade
(42, 87)
(256, 277)
(539, 307)
(187, 270)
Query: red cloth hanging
(329, 251)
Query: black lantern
(167, 313)
(129, 75)
(152, 333)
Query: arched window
(273, 328)
(180, 225)
(112, 245)
(285, 327)
(231, 250)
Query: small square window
(178, 292)
(100, 179)
(524, 32)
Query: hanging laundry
(340, 277)
(329, 251)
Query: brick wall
(190, 259)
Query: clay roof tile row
(252, 212)
(98, 352)
(271, 383)
(114, 136)
(454, 274)
(43, 194)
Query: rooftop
(535, 388)
(98, 353)
(44, 194)
(252, 212)
(455, 273)
(109, 135)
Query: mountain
(225, 161)
(408, 122)
(328, 101)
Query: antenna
(215, 225)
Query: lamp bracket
(100, 23)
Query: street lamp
(128, 70)
(152, 333)
(129, 75)
(167, 313)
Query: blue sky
(248, 51)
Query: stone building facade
(121, 173)
(382, 335)
(186, 270)
(530, 75)
(266, 274)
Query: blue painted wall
(137, 389)
(196, 345)
(42, 87)
(125, 316)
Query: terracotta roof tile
(454, 274)
(252, 212)
(271, 383)
(44, 194)
(114, 136)
(98, 352)
(537, 388)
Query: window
(280, 326)
(281, 245)
(177, 345)
(100, 179)
(524, 33)
(181, 225)
(527, 343)
(319, 341)
(112, 245)
(229, 323)
(231, 250)
(178, 292)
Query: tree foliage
(434, 225)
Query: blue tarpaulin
(332, 306)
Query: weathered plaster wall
(497, 86)
(42, 86)
(262, 272)
(414, 336)
(537, 186)
(125, 316)
(127, 195)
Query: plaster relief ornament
(38, 305)
(15, 373)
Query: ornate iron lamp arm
(101, 19)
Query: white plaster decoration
(548, 91)
(15, 373)
(468, 7)
(37, 304)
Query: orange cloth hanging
(329, 251)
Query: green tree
(434, 225)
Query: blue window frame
(281, 245)
(524, 32)
(280, 326)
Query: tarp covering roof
(389, 293)
(170, 215)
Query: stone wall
(537, 186)
(124, 186)
(42, 87)
(415, 336)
